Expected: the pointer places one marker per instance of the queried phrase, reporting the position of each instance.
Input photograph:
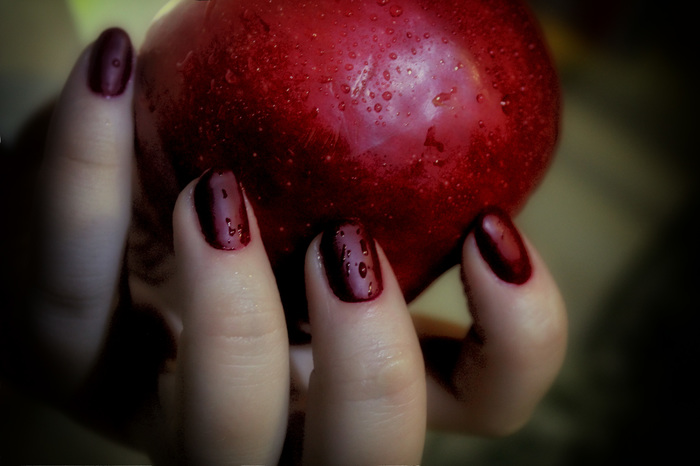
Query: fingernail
(351, 262)
(110, 63)
(502, 247)
(218, 200)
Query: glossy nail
(502, 247)
(110, 63)
(220, 206)
(351, 262)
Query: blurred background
(616, 220)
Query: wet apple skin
(412, 116)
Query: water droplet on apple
(387, 95)
(230, 77)
(440, 99)
(506, 104)
(480, 98)
(185, 63)
(341, 106)
(395, 11)
(345, 88)
(431, 141)
(377, 108)
(349, 66)
(393, 56)
(382, 2)
(386, 75)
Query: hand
(198, 370)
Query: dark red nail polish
(110, 63)
(218, 200)
(502, 247)
(351, 262)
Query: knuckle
(388, 373)
(244, 336)
(505, 426)
(545, 331)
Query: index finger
(84, 208)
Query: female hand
(202, 374)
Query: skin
(221, 393)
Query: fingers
(84, 208)
(233, 374)
(366, 398)
(516, 344)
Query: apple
(411, 115)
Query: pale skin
(225, 398)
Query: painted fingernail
(110, 63)
(502, 247)
(218, 200)
(351, 262)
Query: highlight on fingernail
(110, 63)
(351, 262)
(502, 247)
(220, 206)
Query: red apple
(412, 115)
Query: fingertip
(213, 214)
(501, 246)
(111, 63)
(104, 70)
(496, 255)
(348, 258)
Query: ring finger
(367, 393)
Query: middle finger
(367, 394)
